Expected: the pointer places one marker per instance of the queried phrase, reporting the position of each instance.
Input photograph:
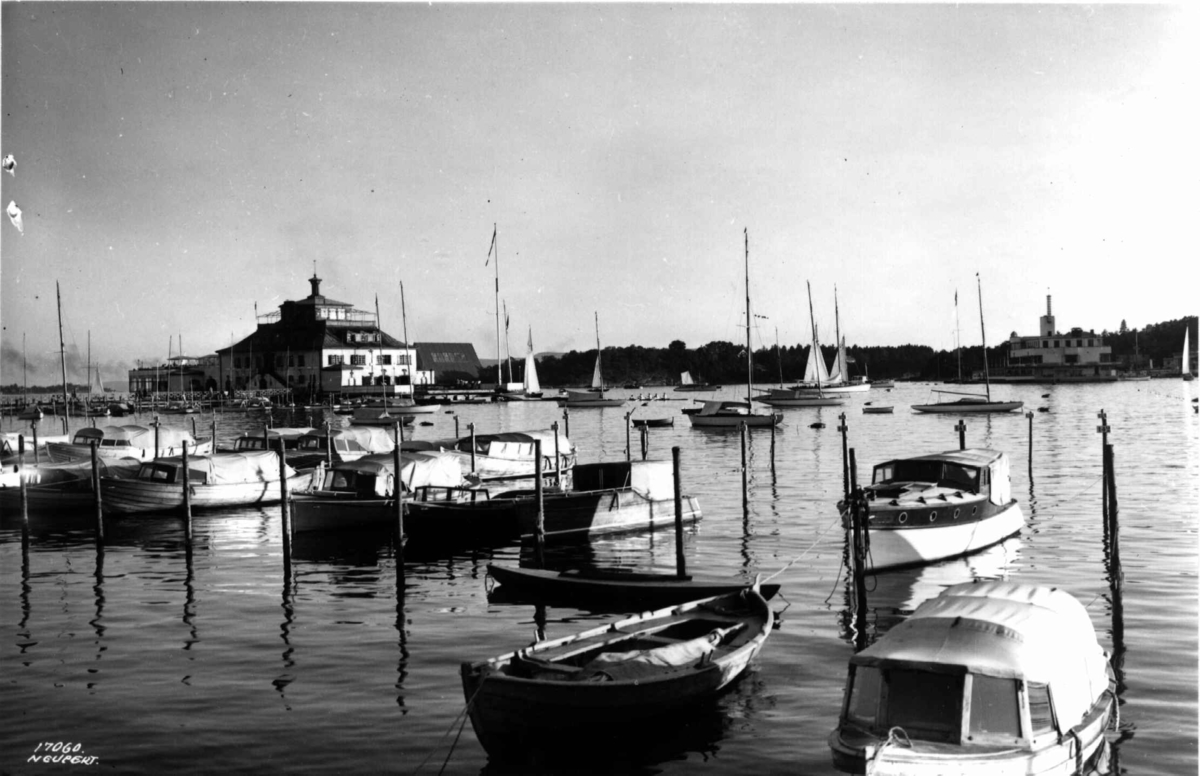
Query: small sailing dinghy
(988, 677)
(592, 691)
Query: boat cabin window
(338, 480)
(1041, 716)
(927, 705)
(863, 706)
(249, 443)
(960, 477)
(908, 471)
(995, 708)
(114, 443)
(157, 473)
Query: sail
(686, 379)
(1187, 367)
(814, 371)
(531, 379)
(597, 378)
(838, 373)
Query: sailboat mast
(24, 373)
(62, 353)
(957, 339)
(507, 349)
(749, 351)
(89, 365)
(812, 319)
(496, 245)
(983, 336)
(837, 333)
(407, 344)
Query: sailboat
(731, 414)
(814, 376)
(686, 383)
(1185, 362)
(531, 388)
(839, 376)
(594, 397)
(973, 402)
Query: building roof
(448, 359)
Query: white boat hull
(801, 401)
(959, 407)
(67, 452)
(130, 496)
(734, 421)
(909, 546)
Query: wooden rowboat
(654, 422)
(593, 691)
(878, 410)
(621, 590)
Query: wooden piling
(772, 448)
(539, 531)
(842, 429)
(213, 431)
(557, 458)
(745, 476)
(628, 451)
(156, 446)
(680, 563)
(21, 479)
(194, 431)
(187, 493)
(962, 434)
(456, 426)
(567, 422)
(645, 431)
(1103, 429)
(1111, 491)
(36, 456)
(96, 493)
(471, 427)
(398, 494)
(284, 506)
(1029, 416)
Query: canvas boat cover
(724, 408)
(1007, 630)
(368, 439)
(417, 469)
(653, 479)
(580, 396)
(516, 445)
(229, 468)
(136, 436)
(50, 473)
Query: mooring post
(398, 494)
(859, 522)
(329, 443)
(471, 427)
(36, 457)
(557, 458)
(284, 507)
(1029, 416)
(680, 564)
(396, 440)
(1114, 544)
(539, 531)
(214, 432)
(962, 434)
(456, 426)
(187, 493)
(194, 427)
(156, 447)
(745, 476)
(645, 441)
(772, 448)
(567, 422)
(1103, 429)
(96, 491)
(842, 429)
(853, 472)
(628, 452)
(21, 479)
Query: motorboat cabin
(988, 677)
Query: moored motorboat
(589, 399)
(605, 685)
(732, 414)
(797, 397)
(510, 455)
(60, 486)
(139, 442)
(614, 497)
(214, 481)
(654, 422)
(937, 506)
(988, 677)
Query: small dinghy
(595, 690)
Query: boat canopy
(358, 439)
(516, 445)
(290, 436)
(133, 436)
(48, 473)
(954, 467)
(724, 408)
(219, 469)
(417, 469)
(1006, 630)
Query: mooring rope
(800, 557)
(461, 720)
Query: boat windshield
(360, 483)
(942, 473)
(927, 705)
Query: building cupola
(316, 285)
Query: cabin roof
(521, 437)
(969, 457)
(138, 436)
(418, 468)
(232, 468)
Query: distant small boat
(654, 422)
(987, 677)
(731, 414)
(792, 397)
(594, 397)
(611, 589)
(886, 410)
(1185, 361)
(607, 685)
(686, 383)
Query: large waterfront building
(1052, 356)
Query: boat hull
(65, 452)
(913, 536)
(590, 403)
(589, 513)
(131, 496)
(734, 421)
(801, 401)
(520, 718)
(971, 407)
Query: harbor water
(150, 655)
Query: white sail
(1185, 362)
(531, 378)
(597, 378)
(838, 373)
(686, 379)
(814, 371)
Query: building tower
(1048, 320)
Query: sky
(181, 165)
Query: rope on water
(800, 557)
(461, 720)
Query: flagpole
(495, 244)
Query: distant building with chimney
(1054, 357)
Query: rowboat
(601, 687)
(140, 442)
(731, 414)
(214, 481)
(614, 497)
(654, 422)
(60, 486)
(878, 410)
(988, 677)
(361, 493)
(937, 506)
(609, 589)
(586, 399)
(381, 416)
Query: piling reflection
(97, 621)
(401, 634)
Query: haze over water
(157, 659)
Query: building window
(1091, 343)
(300, 360)
(1045, 343)
(403, 359)
(335, 360)
(385, 360)
(1056, 343)
(358, 360)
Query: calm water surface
(156, 656)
